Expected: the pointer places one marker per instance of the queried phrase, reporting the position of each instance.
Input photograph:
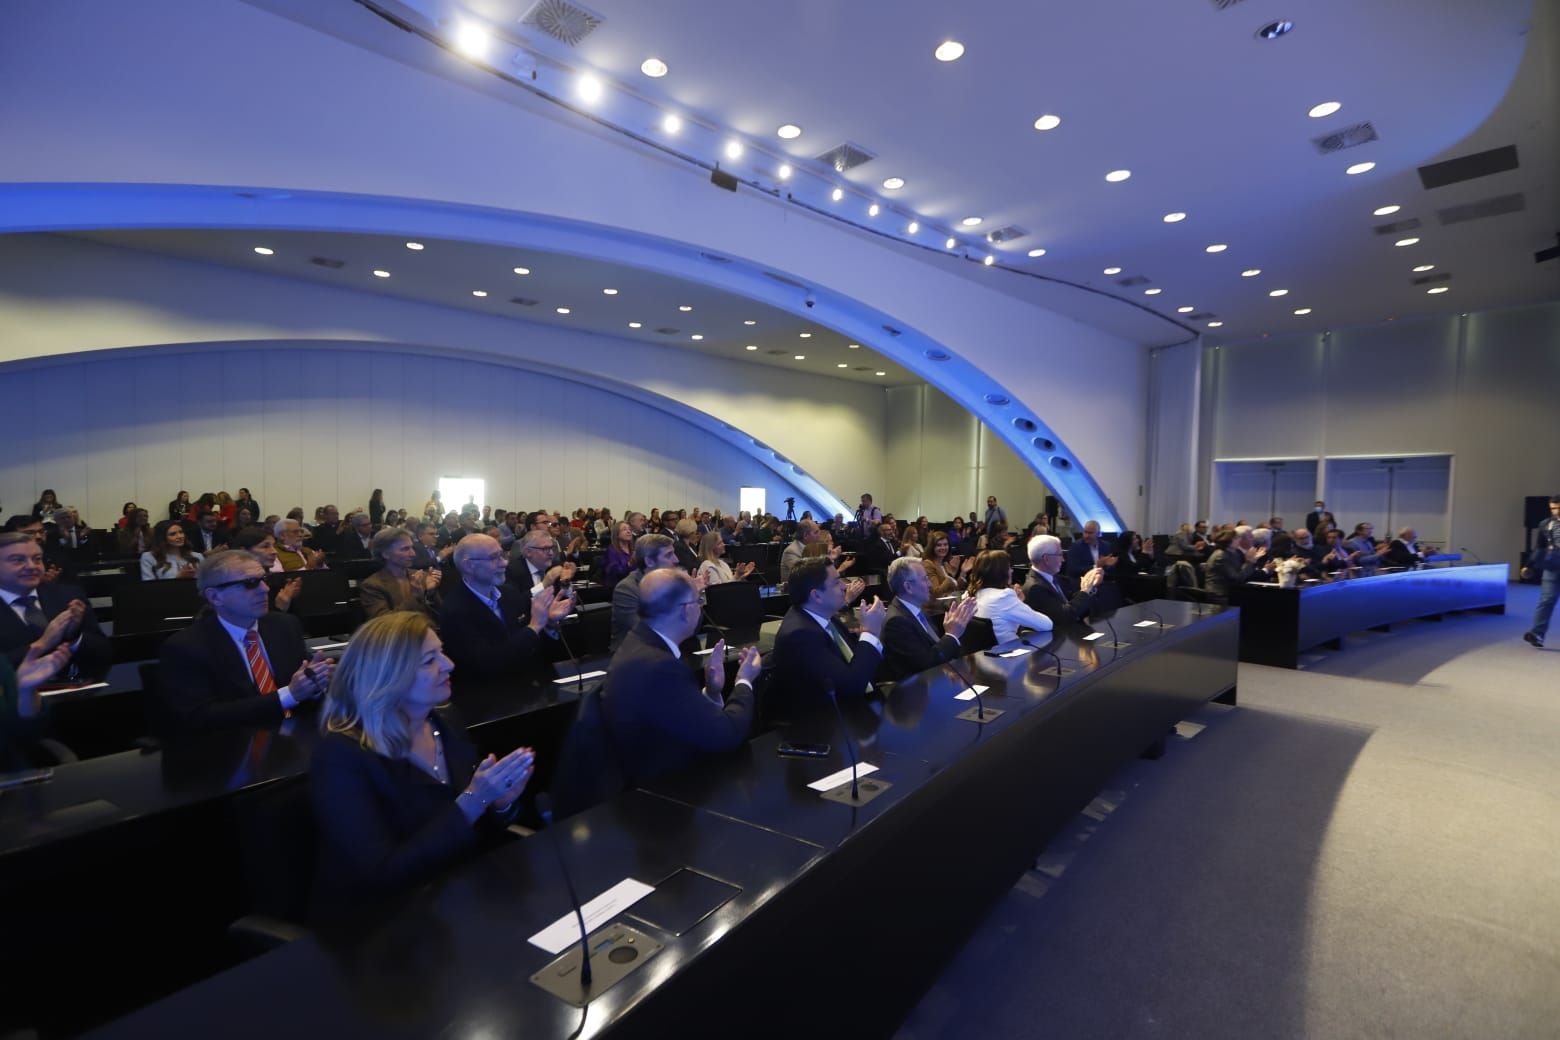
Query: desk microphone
(1157, 616)
(579, 666)
(1113, 637)
(1470, 552)
(850, 745)
(1053, 655)
(545, 807)
(980, 703)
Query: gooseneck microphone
(579, 666)
(850, 745)
(1113, 637)
(1470, 552)
(969, 682)
(545, 807)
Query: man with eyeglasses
(492, 629)
(659, 718)
(1058, 596)
(33, 606)
(241, 664)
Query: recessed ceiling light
(950, 243)
(1422, 268)
(1302, 311)
(264, 251)
(804, 335)
(1174, 218)
(881, 373)
(751, 346)
(696, 337)
(381, 274)
(655, 68)
(1251, 272)
(415, 247)
(837, 194)
(785, 171)
(522, 270)
(684, 308)
(609, 292)
(1438, 290)
(1185, 310)
(1326, 108)
(1217, 247)
(1152, 292)
(853, 346)
(970, 221)
(1215, 324)
(1036, 252)
(914, 227)
(635, 325)
(733, 149)
(1117, 176)
(472, 40)
(1406, 242)
(842, 365)
(750, 321)
(1278, 292)
(1112, 270)
(563, 310)
(949, 50)
(799, 357)
(873, 210)
(1273, 30)
(589, 88)
(894, 183)
(790, 131)
(1385, 211)
(988, 260)
(1048, 122)
(672, 124)
(479, 292)
(1363, 167)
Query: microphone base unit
(616, 952)
(1119, 646)
(867, 789)
(975, 715)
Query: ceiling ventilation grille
(1005, 234)
(1431, 279)
(1136, 279)
(522, 301)
(847, 156)
(1396, 226)
(325, 261)
(1349, 137)
(1469, 167)
(565, 22)
(1496, 207)
(668, 332)
(783, 280)
(1224, 5)
(714, 259)
(1200, 316)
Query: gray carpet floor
(1366, 847)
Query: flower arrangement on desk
(1288, 571)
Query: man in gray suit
(652, 552)
(910, 643)
(806, 534)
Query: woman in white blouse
(991, 584)
(714, 570)
(168, 557)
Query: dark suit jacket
(384, 824)
(873, 557)
(687, 559)
(204, 682)
(908, 648)
(1072, 604)
(656, 711)
(807, 665)
(1311, 520)
(625, 608)
(1080, 561)
(196, 538)
(92, 659)
(350, 547)
(1398, 554)
(485, 649)
(1227, 569)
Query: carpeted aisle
(1368, 847)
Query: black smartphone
(789, 750)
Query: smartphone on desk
(786, 749)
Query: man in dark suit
(652, 552)
(492, 630)
(812, 656)
(356, 541)
(1404, 551)
(206, 535)
(240, 664)
(1089, 552)
(1059, 597)
(659, 718)
(910, 643)
(57, 566)
(34, 607)
(876, 554)
(1314, 517)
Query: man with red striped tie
(229, 667)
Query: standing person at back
(1545, 562)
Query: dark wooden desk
(1277, 625)
(846, 914)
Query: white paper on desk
(73, 689)
(970, 692)
(565, 931)
(1145, 624)
(1020, 652)
(834, 780)
(577, 678)
(1093, 637)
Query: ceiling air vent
(1204, 316)
(775, 353)
(325, 261)
(522, 301)
(668, 332)
(1224, 5)
(712, 258)
(1396, 226)
(847, 156)
(783, 280)
(1495, 207)
(864, 368)
(1431, 279)
(1469, 167)
(565, 22)
(1348, 137)
(1136, 279)
(1005, 234)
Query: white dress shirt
(1007, 613)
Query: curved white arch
(71, 207)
